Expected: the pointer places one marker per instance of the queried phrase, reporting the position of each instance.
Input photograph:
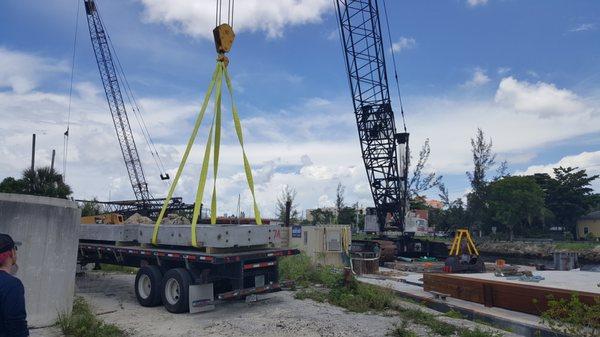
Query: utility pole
(52, 162)
(33, 153)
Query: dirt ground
(113, 299)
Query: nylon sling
(213, 142)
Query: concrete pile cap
(35, 199)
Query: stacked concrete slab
(217, 236)
(48, 229)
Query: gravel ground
(113, 299)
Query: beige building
(589, 225)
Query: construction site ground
(113, 300)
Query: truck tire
(175, 292)
(148, 286)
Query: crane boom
(384, 151)
(116, 105)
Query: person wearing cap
(13, 317)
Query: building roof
(592, 216)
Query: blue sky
(526, 72)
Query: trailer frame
(202, 278)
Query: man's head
(8, 251)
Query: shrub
(83, 323)
(572, 317)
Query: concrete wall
(49, 231)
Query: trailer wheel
(175, 294)
(148, 285)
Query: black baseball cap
(7, 243)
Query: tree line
(523, 205)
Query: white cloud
(503, 70)
(474, 3)
(478, 79)
(542, 99)
(21, 72)
(404, 43)
(197, 18)
(583, 27)
(590, 161)
(310, 146)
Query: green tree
(339, 197)
(91, 207)
(11, 185)
(288, 194)
(568, 195)
(322, 216)
(515, 202)
(421, 181)
(452, 216)
(42, 181)
(347, 216)
(483, 159)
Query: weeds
(454, 314)
(118, 269)
(478, 333)
(83, 323)
(354, 296)
(401, 331)
(572, 317)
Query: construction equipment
(464, 256)
(109, 219)
(145, 203)
(384, 151)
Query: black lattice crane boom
(384, 151)
(109, 76)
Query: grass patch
(118, 269)
(360, 297)
(478, 333)
(424, 318)
(401, 331)
(354, 296)
(577, 246)
(454, 314)
(83, 323)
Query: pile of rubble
(170, 219)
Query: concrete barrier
(48, 229)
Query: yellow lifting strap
(213, 142)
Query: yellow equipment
(107, 219)
(463, 256)
(456, 243)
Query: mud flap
(201, 298)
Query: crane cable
(387, 23)
(66, 134)
(213, 141)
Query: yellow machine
(108, 219)
(456, 243)
(464, 256)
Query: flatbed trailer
(188, 280)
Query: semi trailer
(234, 262)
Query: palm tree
(46, 182)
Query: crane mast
(116, 105)
(384, 151)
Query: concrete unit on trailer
(215, 236)
(184, 278)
